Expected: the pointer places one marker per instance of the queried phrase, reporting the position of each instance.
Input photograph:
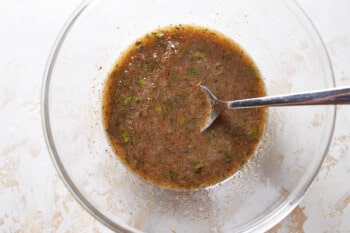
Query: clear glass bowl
(291, 57)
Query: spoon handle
(329, 96)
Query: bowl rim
(263, 224)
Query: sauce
(153, 107)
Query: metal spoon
(329, 96)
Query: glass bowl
(291, 57)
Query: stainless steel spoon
(329, 96)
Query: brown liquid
(153, 107)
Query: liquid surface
(153, 107)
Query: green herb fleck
(197, 166)
(150, 67)
(199, 54)
(142, 81)
(139, 100)
(253, 133)
(127, 99)
(181, 120)
(125, 136)
(159, 109)
(254, 130)
(190, 127)
(192, 70)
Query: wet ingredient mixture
(153, 107)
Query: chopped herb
(125, 136)
(189, 127)
(181, 120)
(253, 133)
(197, 166)
(127, 99)
(138, 43)
(150, 67)
(139, 100)
(159, 109)
(142, 81)
(192, 70)
(254, 130)
(199, 54)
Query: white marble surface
(32, 196)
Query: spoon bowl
(339, 95)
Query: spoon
(329, 96)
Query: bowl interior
(291, 58)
